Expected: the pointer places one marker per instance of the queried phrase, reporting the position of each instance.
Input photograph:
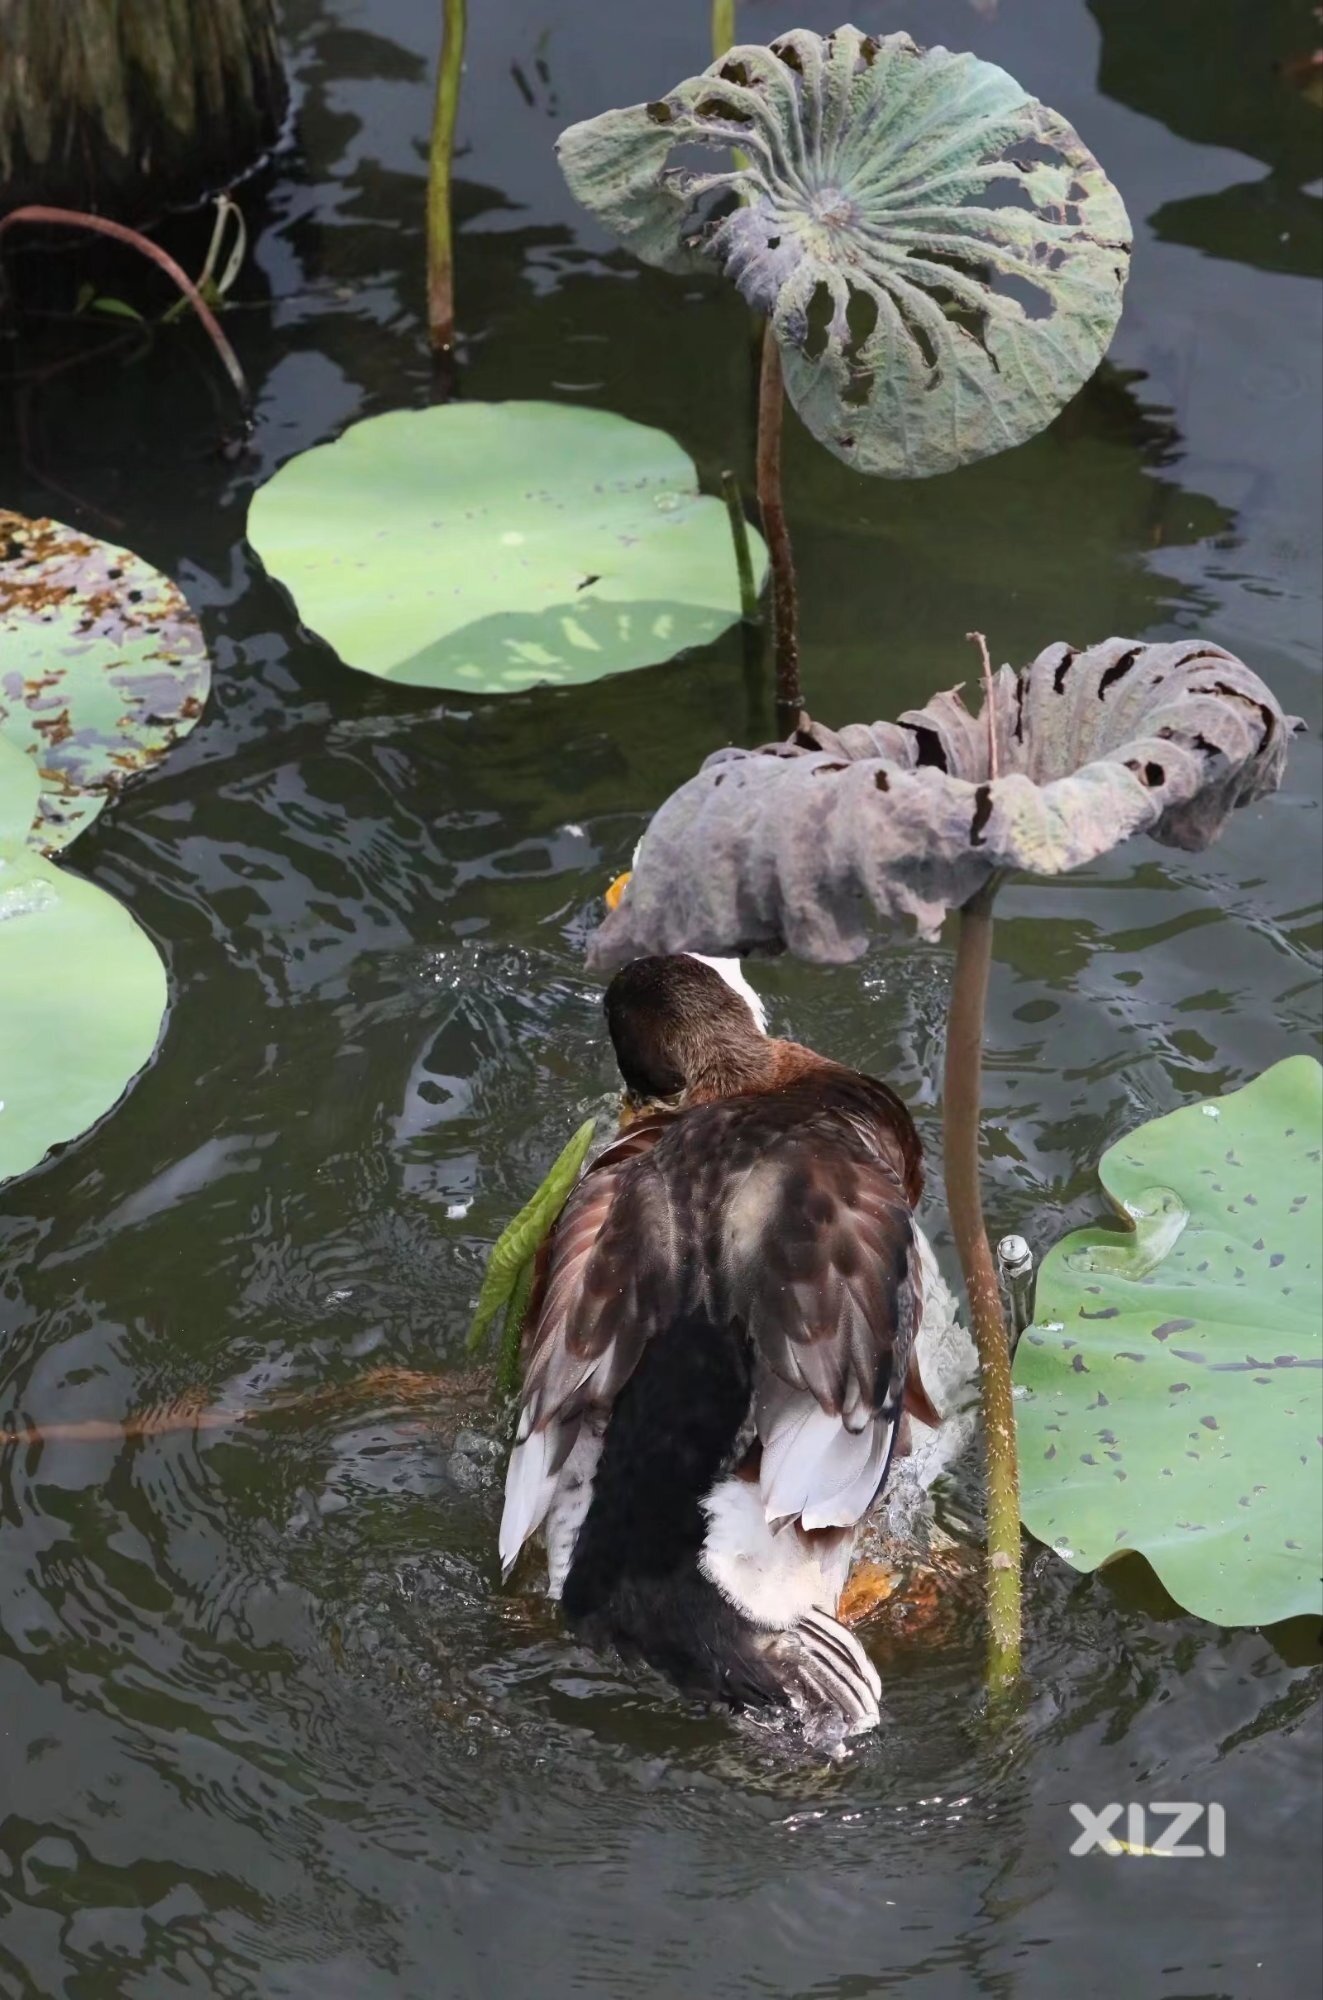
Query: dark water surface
(266, 1724)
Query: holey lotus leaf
(940, 257)
(793, 846)
(102, 667)
(1171, 1388)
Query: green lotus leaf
(20, 789)
(82, 997)
(508, 1281)
(492, 546)
(940, 256)
(102, 667)
(1172, 1384)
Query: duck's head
(682, 1027)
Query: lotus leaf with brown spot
(940, 257)
(102, 667)
(801, 846)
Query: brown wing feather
(786, 1210)
(588, 1314)
(821, 1264)
(833, 1295)
(595, 1297)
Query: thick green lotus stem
(960, 1134)
(785, 606)
(723, 26)
(440, 245)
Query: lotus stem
(785, 609)
(961, 1095)
(74, 218)
(440, 241)
(723, 27)
(739, 534)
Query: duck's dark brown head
(679, 1029)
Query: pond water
(267, 1724)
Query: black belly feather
(634, 1581)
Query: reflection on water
(269, 1725)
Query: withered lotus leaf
(801, 846)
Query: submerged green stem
(961, 1095)
(440, 244)
(739, 534)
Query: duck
(720, 1355)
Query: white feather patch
(770, 1574)
(812, 1465)
(732, 972)
(570, 1503)
(529, 1488)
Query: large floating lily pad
(492, 546)
(939, 255)
(102, 666)
(1174, 1376)
(82, 992)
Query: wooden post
(128, 107)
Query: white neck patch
(732, 972)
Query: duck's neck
(726, 1068)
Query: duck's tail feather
(531, 1481)
(822, 1665)
(640, 1578)
(814, 1466)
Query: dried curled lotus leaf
(1172, 1383)
(940, 256)
(102, 667)
(490, 547)
(798, 846)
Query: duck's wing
(605, 1280)
(822, 1263)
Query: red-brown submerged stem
(73, 218)
(961, 1097)
(785, 610)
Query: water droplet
(1054, 1326)
(1021, 1392)
(26, 901)
(1063, 1549)
(1210, 1111)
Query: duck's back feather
(783, 1214)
